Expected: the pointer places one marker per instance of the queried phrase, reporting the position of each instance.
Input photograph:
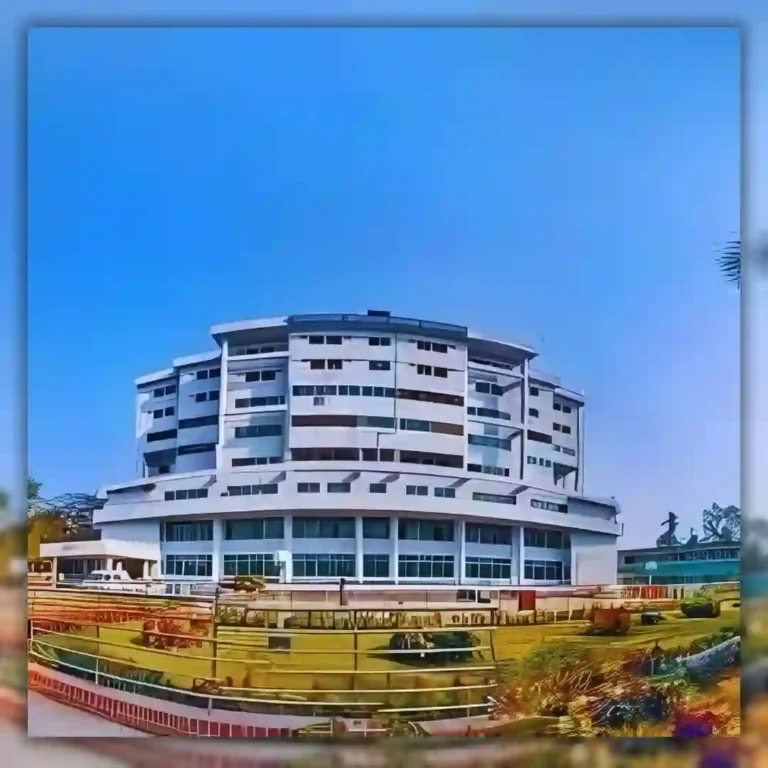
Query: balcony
(87, 534)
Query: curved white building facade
(367, 447)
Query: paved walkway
(48, 718)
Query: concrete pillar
(110, 563)
(521, 555)
(145, 570)
(288, 542)
(359, 548)
(55, 570)
(216, 559)
(394, 533)
(222, 402)
(461, 573)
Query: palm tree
(730, 261)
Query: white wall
(594, 558)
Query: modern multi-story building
(367, 447)
(693, 563)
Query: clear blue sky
(565, 186)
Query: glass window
(254, 528)
(426, 566)
(375, 528)
(376, 566)
(323, 566)
(324, 528)
(189, 565)
(191, 531)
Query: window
(339, 487)
(335, 365)
(432, 346)
(441, 373)
(324, 566)
(375, 528)
(489, 413)
(333, 340)
(252, 461)
(251, 565)
(325, 454)
(170, 411)
(424, 370)
(157, 414)
(269, 375)
(259, 430)
(550, 506)
(494, 498)
(254, 528)
(201, 397)
(190, 493)
(539, 437)
(200, 421)
(535, 537)
(488, 568)
(259, 402)
(379, 341)
(488, 388)
(378, 422)
(189, 565)
(416, 490)
(309, 487)
(569, 451)
(167, 434)
(376, 566)
(543, 570)
(557, 407)
(445, 493)
(263, 489)
(429, 397)
(566, 429)
(533, 391)
(532, 460)
(425, 530)
(317, 365)
(493, 364)
(318, 401)
(379, 365)
(418, 425)
(533, 412)
(425, 566)
(163, 391)
(556, 427)
(488, 469)
(482, 533)
(189, 450)
(490, 442)
(194, 531)
(545, 462)
(324, 527)
(567, 409)
(378, 488)
(210, 373)
(316, 340)
(429, 459)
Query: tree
(721, 524)
(730, 261)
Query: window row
(251, 461)
(166, 434)
(263, 349)
(488, 568)
(338, 420)
(488, 413)
(259, 430)
(550, 506)
(265, 489)
(338, 365)
(254, 528)
(567, 451)
(261, 375)
(564, 428)
(433, 346)
(343, 390)
(490, 442)
(541, 462)
(209, 373)
(535, 537)
(430, 370)
(495, 498)
(192, 531)
(547, 570)
(259, 402)
(685, 556)
(170, 389)
(488, 469)
(488, 388)
(424, 458)
(163, 412)
(560, 407)
(200, 421)
(204, 397)
(493, 364)
(187, 493)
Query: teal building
(693, 563)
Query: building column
(145, 570)
(110, 564)
(524, 399)
(216, 562)
(288, 544)
(521, 555)
(461, 574)
(223, 385)
(395, 532)
(359, 548)
(55, 570)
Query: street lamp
(651, 567)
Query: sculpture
(669, 539)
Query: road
(48, 718)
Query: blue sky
(565, 187)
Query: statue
(669, 539)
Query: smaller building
(693, 563)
